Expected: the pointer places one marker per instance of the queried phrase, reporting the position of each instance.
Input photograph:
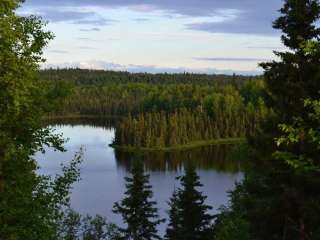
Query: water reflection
(103, 169)
(107, 123)
(216, 157)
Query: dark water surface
(103, 170)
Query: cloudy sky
(211, 36)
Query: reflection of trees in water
(105, 123)
(211, 157)
(218, 157)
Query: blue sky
(205, 36)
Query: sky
(200, 36)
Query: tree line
(86, 77)
(120, 99)
(221, 115)
(155, 115)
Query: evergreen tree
(173, 229)
(137, 209)
(189, 217)
(280, 194)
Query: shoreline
(183, 147)
(79, 116)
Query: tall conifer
(189, 217)
(281, 198)
(137, 209)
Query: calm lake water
(103, 170)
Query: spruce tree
(173, 229)
(280, 193)
(189, 217)
(137, 209)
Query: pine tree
(295, 77)
(189, 217)
(281, 199)
(174, 226)
(137, 209)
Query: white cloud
(103, 65)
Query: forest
(107, 93)
(161, 130)
(279, 196)
(164, 110)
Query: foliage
(137, 209)
(114, 97)
(304, 135)
(101, 77)
(30, 205)
(189, 217)
(73, 226)
(231, 226)
(34, 204)
(169, 109)
(231, 223)
(281, 198)
(220, 115)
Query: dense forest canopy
(163, 110)
(110, 93)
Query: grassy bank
(184, 147)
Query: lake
(103, 170)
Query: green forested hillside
(165, 109)
(108, 93)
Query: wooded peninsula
(163, 111)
